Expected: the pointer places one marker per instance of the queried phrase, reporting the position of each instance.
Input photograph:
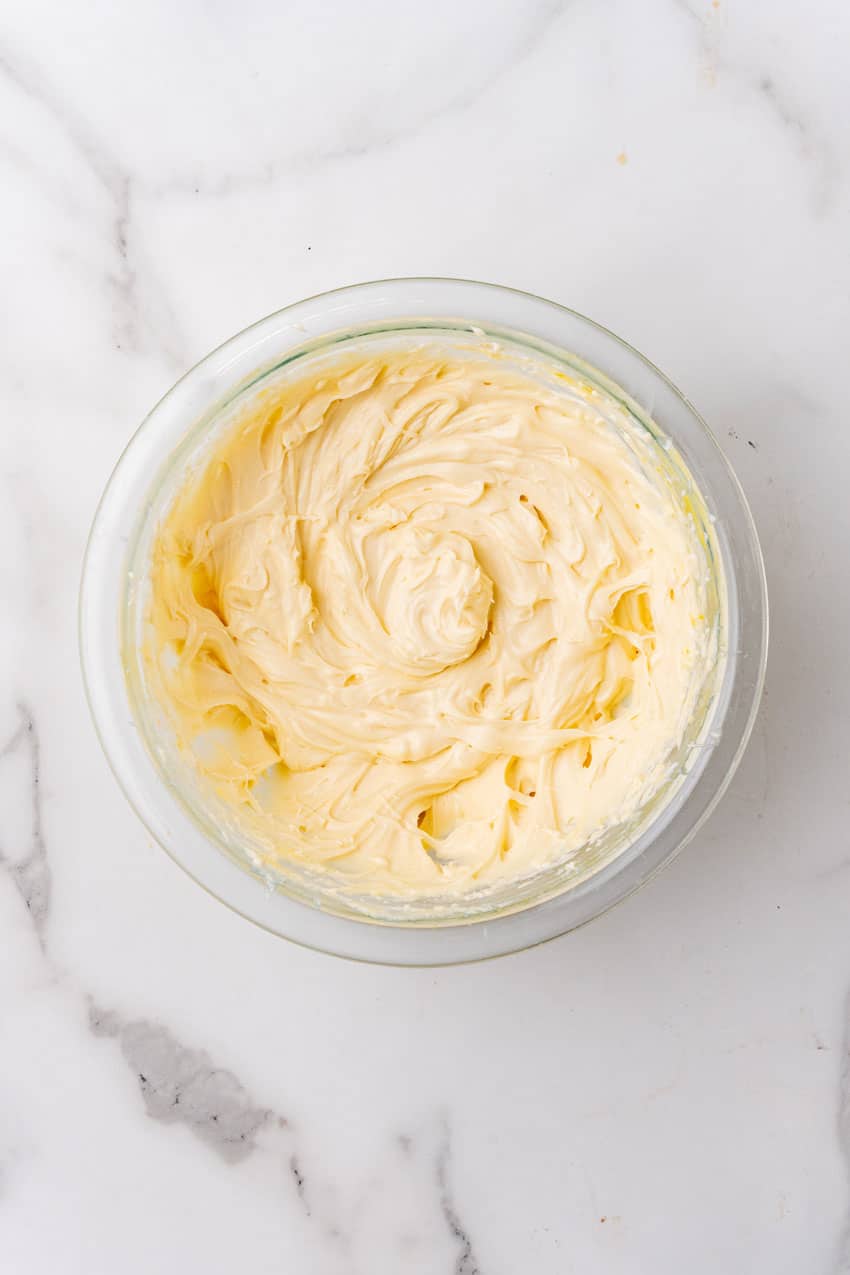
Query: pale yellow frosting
(430, 620)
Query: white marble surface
(665, 1091)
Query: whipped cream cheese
(431, 620)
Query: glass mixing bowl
(138, 739)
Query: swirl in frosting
(432, 619)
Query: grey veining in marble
(28, 864)
(183, 1086)
(466, 1263)
(135, 325)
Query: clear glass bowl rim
(466, 303)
